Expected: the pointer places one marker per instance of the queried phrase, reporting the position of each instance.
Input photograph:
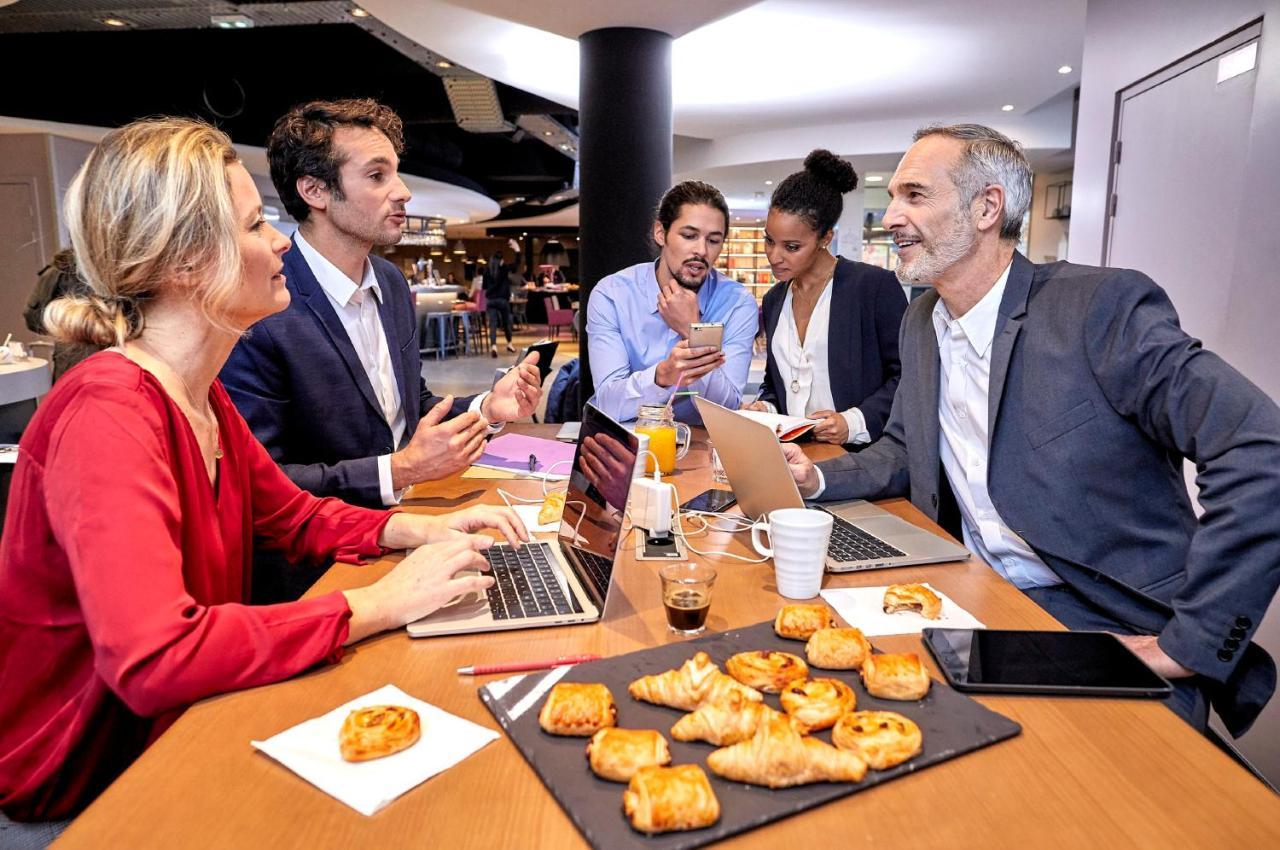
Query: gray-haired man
(1053, 406)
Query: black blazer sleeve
(259, 387)
(771, 307)
(889, 306)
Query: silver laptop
(543, 584)
(863, 536)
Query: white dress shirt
(964, 439)
(357, 307)
(805, 364)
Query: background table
(1084, 772)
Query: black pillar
(624, 159)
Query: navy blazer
(1096, 396)
(298, 382)
(862, 342)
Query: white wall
(1126, 40)
(1048, 236)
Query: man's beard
(689, 283)
(940, 254)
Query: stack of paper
(535, 457)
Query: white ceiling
(779, 63)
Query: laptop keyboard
(850, 543)
(525, 582)
(598, 568)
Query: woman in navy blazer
(831, 323)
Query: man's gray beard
(942, 255)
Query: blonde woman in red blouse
(139, 490)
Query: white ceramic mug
(798, 538)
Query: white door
(1183, 135)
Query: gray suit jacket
(1097, 395)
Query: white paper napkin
(863, 607)
(529, 516)
(310, 750)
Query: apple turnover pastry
(377, 731)
(815, 704)
(778, 756)
(578, 709)
(723, 723)
(616, 754)
(837, 649)
(799, 622)
(766, 670)
(697, 683)
(912, 597)
(883, 738)
(893, 676)
(666, 799)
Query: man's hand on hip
(438, 449)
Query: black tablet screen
(1092, 662)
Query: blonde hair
(152, 200)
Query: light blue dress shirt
(628, 338)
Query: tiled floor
(475, 373)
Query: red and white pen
(522, 666)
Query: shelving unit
(743, 259)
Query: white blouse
(802, 367)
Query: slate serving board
(952, 725)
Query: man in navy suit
(1053, 406)
(332, 386)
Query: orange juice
(662, 442)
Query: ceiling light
(768, 182)
(115, 22)
(460, 248)
(1065, 69)
(547, 133)
(1008, 107)
(231, 22)
(357, 12)
(874, 178)
(444, 63)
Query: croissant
(723, 723)
(696, 683)
(778, 756)
(767, 670)
(799, 622)
(578, 709)
(664, 799)
(617, 754)
(816, 704)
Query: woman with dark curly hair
(831, 323)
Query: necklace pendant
(795, 385)
(217, 453)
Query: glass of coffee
(686, 594)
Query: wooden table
(1083, 773)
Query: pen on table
(521, 666)
(533, 463)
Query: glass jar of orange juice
(658, 422)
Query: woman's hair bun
(831, 170)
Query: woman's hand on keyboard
(428, 578)
(405, 530)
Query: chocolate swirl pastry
(377, 731)
(882, 738)
(766, 670)
(816, 704)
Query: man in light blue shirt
(638, 319)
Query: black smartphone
(546, 349)
(1032, 662)
(711, 501)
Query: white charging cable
(738, 524)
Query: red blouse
(123, 576)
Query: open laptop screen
(598, 486)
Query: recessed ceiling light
(357, 12)
(1065, 69)
(768, 182)
(1008, 107)
(115, 22)
(547, 133)
(874, 178)
(444, 63)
